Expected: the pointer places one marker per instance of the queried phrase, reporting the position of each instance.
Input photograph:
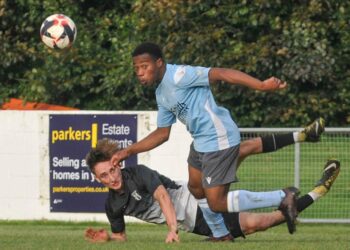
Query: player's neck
(161, 74)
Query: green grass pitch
(69, 235)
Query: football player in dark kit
(143, 193)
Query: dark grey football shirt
(140, 183)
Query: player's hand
(96, 236)
(273, 83)
(118, 157)
(172, 237)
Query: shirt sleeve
(149, 178)
(116, 220)
(165, 118)
(194, 76)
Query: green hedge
(305, 43)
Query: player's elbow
(164, 138)
(161, 194)
(163, 134)
(161, 140)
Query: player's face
(147, 69)
(109, 175)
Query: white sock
(315, 196)
(296, 136)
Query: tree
(305, 43)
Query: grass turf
(69, 235)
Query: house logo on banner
(71, 138)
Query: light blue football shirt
(184, 93)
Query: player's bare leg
(217, 197)
(214, 220)
(195, 182)
(255, 222)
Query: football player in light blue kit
(184, 93)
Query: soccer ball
(58, 31)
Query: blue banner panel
(73, 187)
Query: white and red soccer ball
(58, 31)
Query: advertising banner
(73, 187)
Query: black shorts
(231, 221)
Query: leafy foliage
(305, 43)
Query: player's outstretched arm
(153, 140)
(237, 77)
(162, 196)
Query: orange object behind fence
(17, 104)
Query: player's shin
(242, 200)
(273, 142)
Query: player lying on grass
(143, 193)
(263, 144)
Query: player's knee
(198, 193)
(243, 151)
(249, 147)
(216, 209)
(217, 205)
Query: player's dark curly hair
(103, 151)
(148, 48)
